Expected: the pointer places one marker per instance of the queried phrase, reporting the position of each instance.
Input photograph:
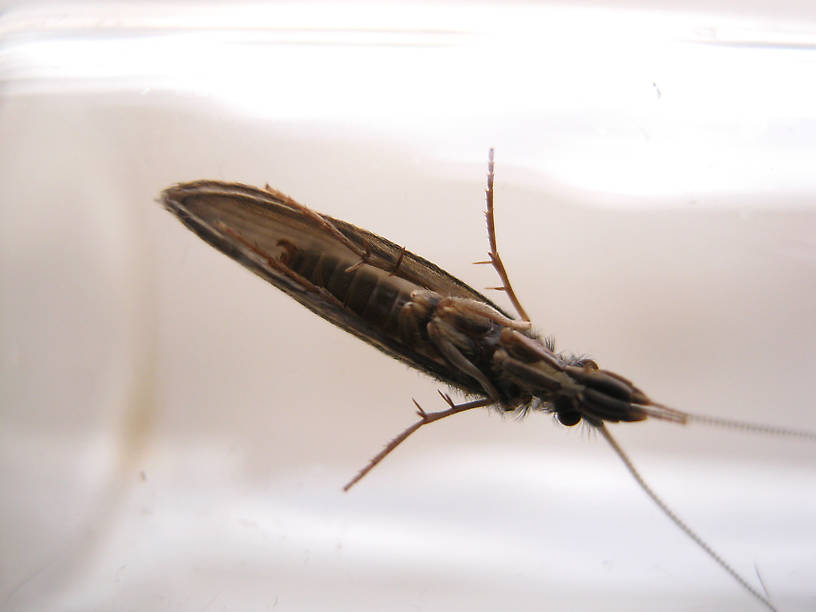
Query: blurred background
(175, 433)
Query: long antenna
(773, 430)
(678, 521)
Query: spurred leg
(495, 259)
(424, 419)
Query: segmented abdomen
(370, 293)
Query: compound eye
(565, 411)
(568, 417)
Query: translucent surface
(175, 432)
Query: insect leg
(363, 253)
(495, 260)
(442, 335)
(450, 324)
(424, 419)
(278, 266)
(488, 312)
(664, 508)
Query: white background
(175, 432)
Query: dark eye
(565, 411)
(568, 418)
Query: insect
(416, 312)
